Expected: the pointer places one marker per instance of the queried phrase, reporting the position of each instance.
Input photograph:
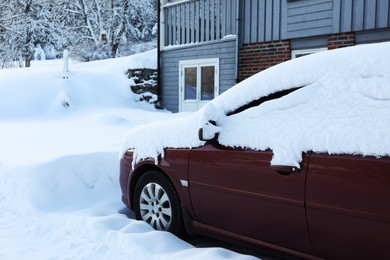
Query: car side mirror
(209, 132)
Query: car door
(237, 191)
(348, 206)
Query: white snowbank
(42, 92)
(59, 189)
(343, 108)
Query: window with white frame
(299, 53)
(199, 83)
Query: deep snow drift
(342, 108)
(59, 145)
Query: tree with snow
(91, 29)
(103, 27)
(26, 25)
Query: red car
(331, 205)
(334, 207)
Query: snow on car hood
(343, 108)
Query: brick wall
(260, 56)
(340, 40)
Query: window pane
(208, 80)
(190, 83)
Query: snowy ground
(59, 190)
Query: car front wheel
(156, 202)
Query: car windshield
(261, 100)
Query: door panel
(348, 206)
(237, 191)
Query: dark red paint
(333, 207)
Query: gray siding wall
(358, 15)
(270, 20)
(372, 36)
(307, 18)
(261, 20)
(223, 49)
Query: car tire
(157, 203)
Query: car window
(261, 100)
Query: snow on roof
(343, 108)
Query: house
(207, 46)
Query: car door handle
(284, 169)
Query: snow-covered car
(295, 158)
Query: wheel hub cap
(155, 207)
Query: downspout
(238, 38)
(159, 50)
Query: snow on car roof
(343, 108)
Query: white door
(199, 83)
